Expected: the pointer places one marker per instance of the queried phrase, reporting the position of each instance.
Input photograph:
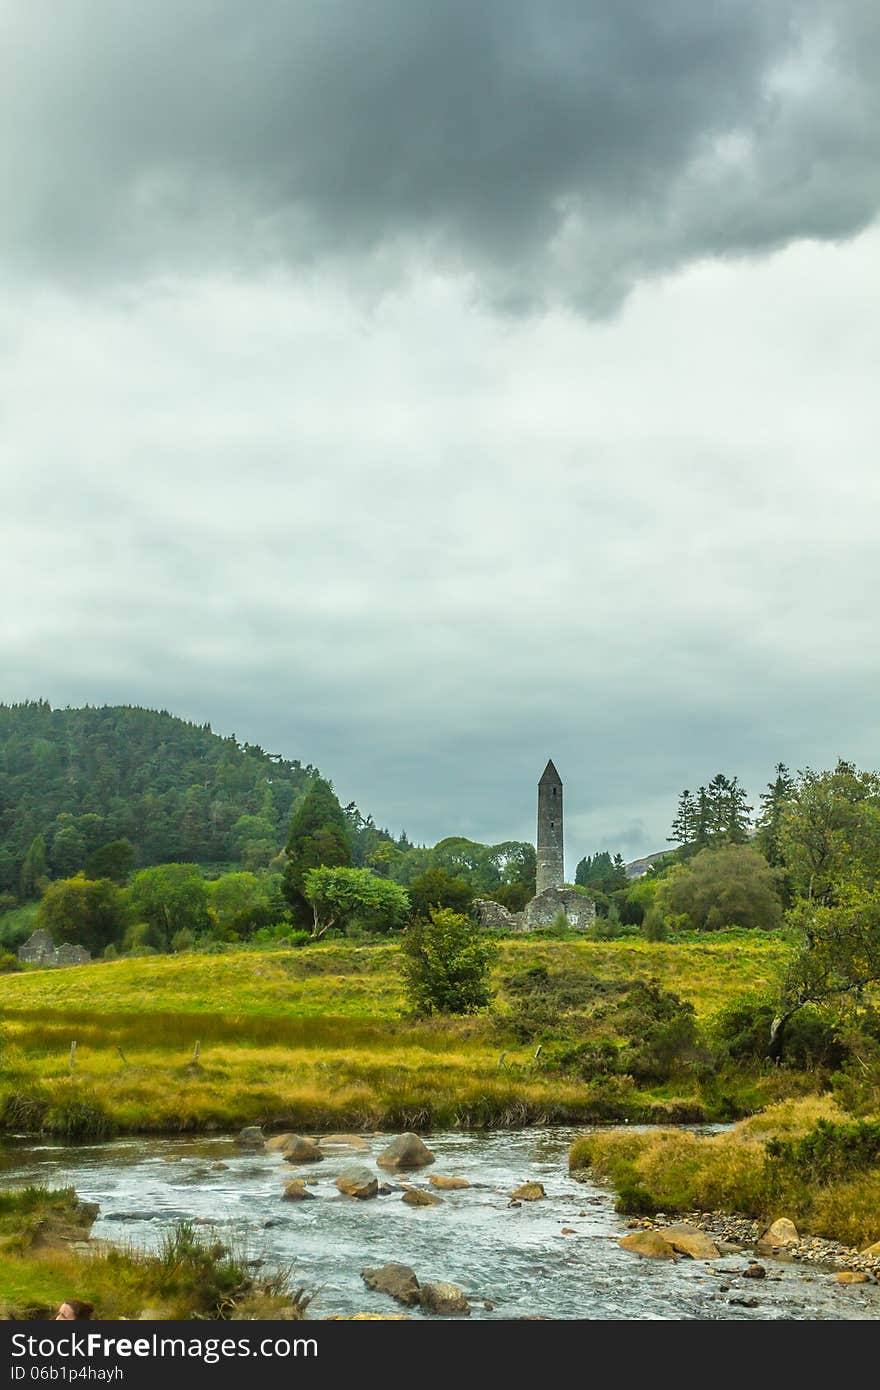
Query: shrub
(661, 1031)
(731, 886)
(8, 962)
(741, 1032)
(446, 963)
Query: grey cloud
(553, 153)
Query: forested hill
(177, 791)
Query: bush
(729, 887)
(8, 962)
(446, 963)
(661, 1032)
(741, 1032)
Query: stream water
(509, 1261)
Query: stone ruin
(40, 949)
(541, 911)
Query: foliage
(602, 872)
(170, 898)
(243, 902)
(354, 898)
(115, 861)
(825, 1153)
(740, 1032)
(828, 833)
(318, 837)
(775, 799)
(79, 779)
(438, 888)
(731, 886)
(446, 963)
(838, 956)
(660, 1031)
(85, 912)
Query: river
(509, 1261)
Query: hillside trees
(82, 778)
(85, 912)
(828, 832)
(718, 814)
(601, 872)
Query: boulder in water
(688, 1240)
(528, 1192)
(251, 1137)
(648, 1243)
(399, 1281)
(299, 1150)
(358, 1182)
(418, 1197)
(296, 1191)
(447, 1184)
(445, 1299)
(406, 1151)
(780, 1233)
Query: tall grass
(676, 1171)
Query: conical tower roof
(550, 776)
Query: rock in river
(648, 1243)
(358, 1182)
(528, 1192)
(299, 1150)
(779, 1234)
(418, 1197)
(397, 1280)
(447, 1184)
(406, 1151)
(251, 1137)
(688, 1240)
(446, 1299)
(296, 1191)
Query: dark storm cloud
(555, 151)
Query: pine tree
(684, 826)
(318, 837)
(773, 802)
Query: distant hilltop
(639, 867)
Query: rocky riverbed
(737, 1233)
(552, 1250)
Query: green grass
(44, 1260)
(318, 1037)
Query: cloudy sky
(424, 390)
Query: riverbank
(317, 1039)
(806, 1161)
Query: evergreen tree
(774, 800)
(318, 838)
(685, 825)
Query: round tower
(551, 868)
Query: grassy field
(317, 1038)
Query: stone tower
(551, 871)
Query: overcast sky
(425, 390)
